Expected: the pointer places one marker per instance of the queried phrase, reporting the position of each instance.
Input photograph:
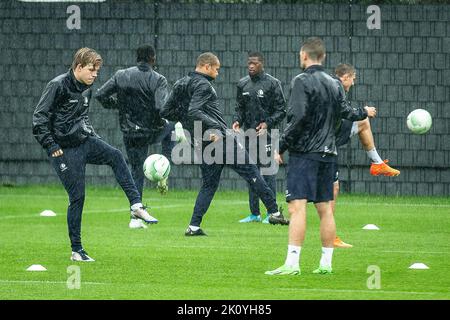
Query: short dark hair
(207, 58)
(344, 68)
(85, 56)
(145, 53)
(256, 54)
(314, 48)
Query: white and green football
(156, 167)
(419, 121)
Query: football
(156, 167)
(419, 121)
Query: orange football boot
(338, 243)
(382, 169)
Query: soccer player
(260, 105)
(194, 99)
(61, 125)
(346, 75)
(315, 108)
(139, 93)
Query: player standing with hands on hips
(61, 125)
(260, 105)
(316, 106)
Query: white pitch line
(347, 203)
(49, 282)
(229, 203)
(439, 205)
(416, 252)
(361, 291)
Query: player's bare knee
(364, 125)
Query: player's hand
(278, 157)
(261, 129)
(236, 126)
(57, 153)
(371, 111)
(214, 137)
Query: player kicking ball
(61, 125)
(346, 75)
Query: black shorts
(309, 178)
(344, 133)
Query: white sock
(136, 206)
(194, 228)
(374, 156)
(293, 256)
(276, 214)
(327, 256)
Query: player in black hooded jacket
(139, 93)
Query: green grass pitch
(161, 263)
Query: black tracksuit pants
(253, 198)
(71, 167)
(137, 151)
(211, 178)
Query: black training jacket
(138, 93)
(61, 115)
(193, 98)
(316, 106)
(259, 99)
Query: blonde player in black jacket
(61, 125)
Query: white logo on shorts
(63, 167)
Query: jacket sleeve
(297, 105)
(168, 110)
(347, 112)
(105, 92)
(161, 93)
(200, 97)
(41, 118)
(239, 110)
(279, 107)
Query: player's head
(209, 64)
(312, 52)
(146, 53)
(347, 74)
(255, 63)
(85, 65)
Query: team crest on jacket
(260, 93)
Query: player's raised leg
(102, 153)
(378, 167)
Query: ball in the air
(419, 121)
(156, 167)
